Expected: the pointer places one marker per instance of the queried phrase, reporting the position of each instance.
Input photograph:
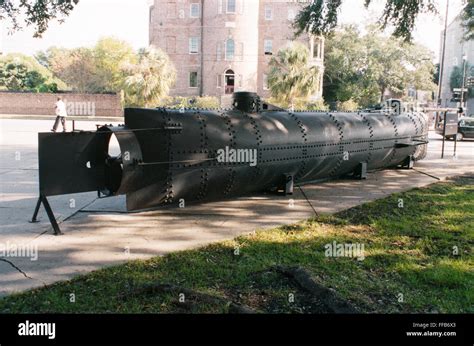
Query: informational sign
(451, 124)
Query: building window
(150, 15)
(268, 47)
(194, 11)
(265, 82)
(291, 14)
(193, 79)
(193, 45)
(316, 50)
(230, 6)
(268, 13)
(229, 49)
(229, 81)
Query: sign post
(450, 128)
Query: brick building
(222, 46)
(456, 48)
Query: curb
(53, 117)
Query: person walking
(61, 115)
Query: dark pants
(56, 123)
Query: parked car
(465, 128)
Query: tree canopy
(19, 72)
(96, 69)
(320, 17)
(150, 79)
(468, 19)
(363, 67)
(456, 78)
(36, 13)
(291, 75)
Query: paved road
(99, 233)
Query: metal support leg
(361, 171)
(408, 163)
(289, 184)
(35, 214)
(49, 212)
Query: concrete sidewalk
(99, 232)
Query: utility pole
(464, 59)
(441, 66)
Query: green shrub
(189, 102)
(347, 106)
(300, 104)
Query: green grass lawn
(418, 258)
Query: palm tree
(291, 76)
(150, 79)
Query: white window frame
(192, 43)
(194, 5)
(219, 51)
(291, 14)
(227, 7)
(197, 79)
(150, 15)
(265, 45)
(265, 82)
(268, 10)
(227, 58)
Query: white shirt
(61, 109)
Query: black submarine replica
(197, 155)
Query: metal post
(455, 144)
(464, 59)
(441, 66)
(444, 134)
